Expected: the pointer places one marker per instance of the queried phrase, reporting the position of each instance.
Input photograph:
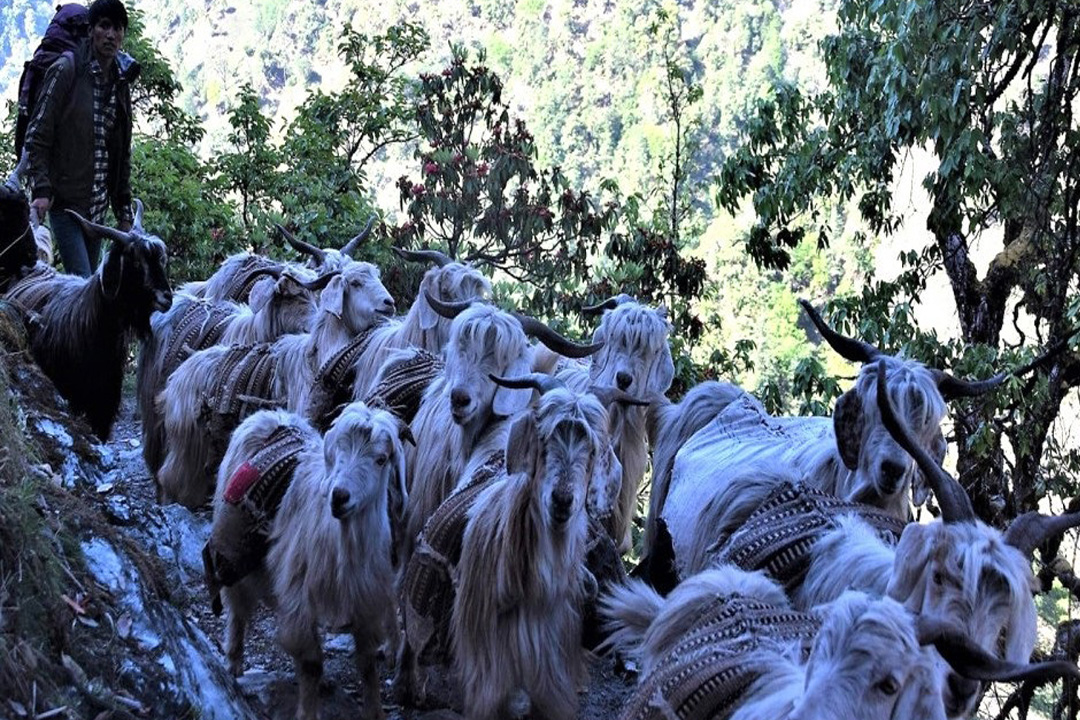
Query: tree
(989, 90)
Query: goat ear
(662, 372)
(847, 425)
(428, 317)
(510, 401)
(112, 272)
(261, 293)
(332, 299)
(911, 569)
(522, 445)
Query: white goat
(516, 625)
(728, 645)
(464, 403)
(956, 567)
(277, 306)
(422, 327)
(214, 389)
(329, 544)
(635, 358)
(852, 455)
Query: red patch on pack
(241, 481)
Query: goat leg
(367, 645)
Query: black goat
(81, 327)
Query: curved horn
(952, 387)
(448, 310)
(351, 246)
(100, 230)
(136, 223)
(608, 394)
(318, 283)
(1032, 529)
(975, 663)
(300, 245)
(849, 348)
(440, 259)
(553, 340)
(955, 503)
(610, 304)
(536, 381)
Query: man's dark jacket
(60, 142)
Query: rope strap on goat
(778, 535)
(200, 327)
(252, 268)
(402, 385)
(246, 371)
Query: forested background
(909, 164)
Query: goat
(277, 306)
(329, 553)
(18, 233)
(422, 327)
(516, 623)
(464, 404)
(214, 389)
(727, 644)
(957, 567)
(636, 358)
(236, 276)
(83, 325)
(852, 456)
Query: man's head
(108, 23)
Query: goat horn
(448, 310)
(849, 348)
(351, 246)
(607, 395)
(440, 259)
(955, 503)
(405, 434)
(137, 222)
(553, 340)
(1032, 529)
(101, 230)
(975, 663)
(535, 381)
(952, 387)
(318, 283)
(610, 304)
(302, 246)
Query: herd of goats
(459, 496)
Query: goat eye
(938, 579)
(889, 686)
(381, 460)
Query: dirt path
(268, 681)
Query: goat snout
(388, 306)
(562, 503)
(162, 300)
(339, 501)
(961, 695)
(892, 472)
(623, 379)
(460, 400)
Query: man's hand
(41, 206)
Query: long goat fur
(329, 562)
(636, 358)
(84, 325)
(349, 305)
(516, 625)
(276, 307)
(483, 341)
(421, 327)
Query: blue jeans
(79, 252)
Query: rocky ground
(267, 689)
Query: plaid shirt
(104, 120)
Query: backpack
(66, 30)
